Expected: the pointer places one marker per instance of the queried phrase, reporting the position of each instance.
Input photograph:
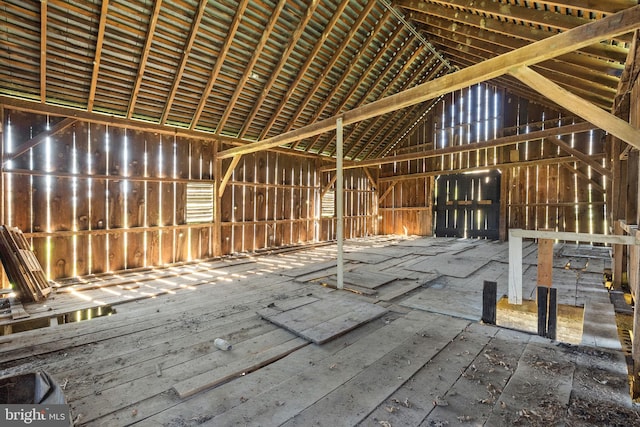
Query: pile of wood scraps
(22, 267)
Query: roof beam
(43, 51)
(336, 55)
(510, 12)
(153, 21)
(600, 50)
(620, 23)
(231, 33)
(193, 32)
(249, 68)
(311, 58)
(608, 6)
(96, 60)
(598, 95)
(587, 68)
(340, 83)
(604, 120)
(278, 68)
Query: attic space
(348, 212)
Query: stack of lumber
(21, 265)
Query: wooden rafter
(311, 58)
(508, 28)
(38, 139)
(278, 68)
(104, 11)
(153, 21)
(43, 51)
(508, 12)
(583, 76)
(400, 52)
(407, 83)
(249, 67)
(231, 33)
(461, 32)
(415, 114)
(497, 142)
(336, 56)
(601, 96)
(385, 122)
(398, 29)
(620, 23)
(608, 6)
(184, 58)
(604, 120)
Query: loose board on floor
(325, 319)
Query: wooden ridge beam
(604, 120)
(597, 6)
(620, 23)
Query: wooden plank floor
(426, 361)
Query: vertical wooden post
(552, 318)
(339, 202)
(515, 269)
(545, 262)
(504, 211)
(489, 296)
(217, 199)
(618, 256)
(543, 303)
(634, 282)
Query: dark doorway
(468, 205)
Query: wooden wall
(539, 188)
(94, 198)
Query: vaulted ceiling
(253, 69)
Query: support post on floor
(634, 284)
(543, 303)
(515, 269)
(489, 296)
(552, 317)
(339, 202)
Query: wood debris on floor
(410, 354)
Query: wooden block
(552, 320)
(489, 297)
(543, 300)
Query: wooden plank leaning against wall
(95, 198)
